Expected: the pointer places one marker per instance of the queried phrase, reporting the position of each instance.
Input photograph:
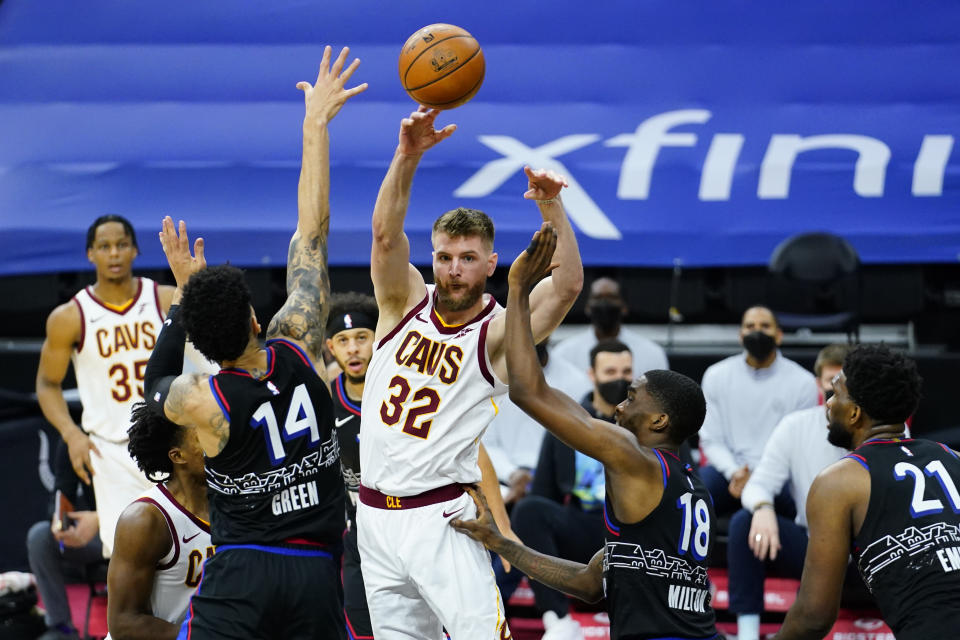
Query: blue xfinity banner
(702, 133)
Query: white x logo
(580, 207)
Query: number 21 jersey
(427, 399)
(908, 548)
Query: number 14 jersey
(428, 397)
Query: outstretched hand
(484, 529)
(177, 249)
(543, 184)
(324, 98)
(534, 262)
(417, 133)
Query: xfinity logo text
(719, 165)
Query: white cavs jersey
(178, 573)
(111, 357)
(427, 399)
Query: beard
(355, 379)
(467, 298)
(839, 437)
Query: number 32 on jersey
(418, 417)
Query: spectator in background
(563, 516)
(747, 395)
(795, 453)
(606, 309)
(513, 438)
(56, 551)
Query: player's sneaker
(557, 628)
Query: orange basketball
(441, 66)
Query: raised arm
(396, 284)
(63, 332)
(142, 540)
(553, 296)
(583, 581)
(563, 416)
(185, 399)
(303, 317)
(830, 516)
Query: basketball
(441, 66)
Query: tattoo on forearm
(304, 315)
(552, 572)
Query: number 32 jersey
(428, 397)
(908, 548)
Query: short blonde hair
(463, 222)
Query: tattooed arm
(190, 403)
(303, 317)
(583, 581)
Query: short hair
(151, 438)
(885, 383)
(462, 221)
(111, 217)
(607, 346)
(776, 320)
(681, 399)
(350, 301)
(832, 354)
(215, 312)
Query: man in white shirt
(513, 438)
(795, 453)
(747, 395)
(606, 309)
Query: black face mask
(606, 315)
(759, 344)
(827, 394)
(614, 391)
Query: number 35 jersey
(428, 397)
(111, 357)
(908, 548)
(278, 479)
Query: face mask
(827, 394)
(605, 315)
(759, 344)
(614, 391)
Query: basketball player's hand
(417, 133)
(738, 481)
(534, 262)
(176, 246)
(79, 445)
(543, 184)
(85, 527)
(484, 529)
(764, 538)
(324, 98)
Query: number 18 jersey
(428, 397)
(908, 548)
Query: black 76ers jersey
(346, 414)
(908, 548)
(655, 570)
(278, 478)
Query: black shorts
(354, 595)
(267, 592)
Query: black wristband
(166, 360)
